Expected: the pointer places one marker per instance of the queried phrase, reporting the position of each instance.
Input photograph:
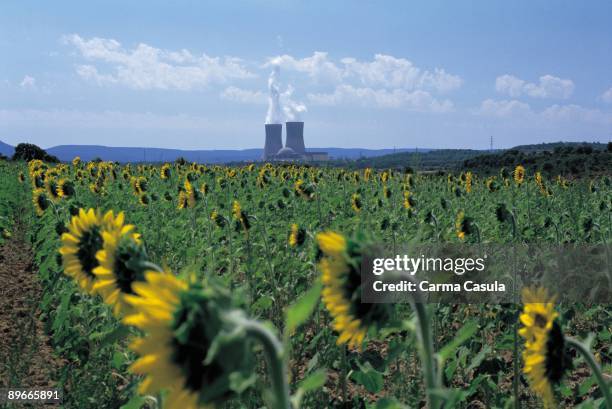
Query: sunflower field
(184, 285)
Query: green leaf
(463, 335)
(135, 403)
(314, 381)
(299, 312)
(262, 304)
(585, 386)
(389, 403)
(369, 378)
(479, 358)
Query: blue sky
(194, 74)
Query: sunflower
(538, 179)
(492, 184)
(339, 264)
(204, 189)
(65, 188)
(297, 236)
(367, 173)
(191, 194)
(38, 179)
(468, 182)
(187, 350)
(21, 177)
(52, 189)
(182, 200)
(120, 264)
(463, 225)
(263, 178)
(165, 171)
(140, 185)
(307, 192)
(541, 185)
(236, 210)
(356, 202)
(218, 219)
(40, 201)
(82, 242)
(76, 161)
(241, 216)
(408, 200)
(144, 199)
(387, 192)
(450, 179)
(545, 354)
(519, 175)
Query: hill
(550, 147)
(125, 154)
(427, 160)
(564, 159)
(6, 149)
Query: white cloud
(391, 72)
(548, 86)
(503, 108)
(146, 67)
(509, 84)
(318, 67)
(89, 72)
(578, 113)
(384, 71)
(418, 100)
(244, 96)
(554, 114)
(607, 96)
(28, 82)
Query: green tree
(28, 152)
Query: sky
(370, 74)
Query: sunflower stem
(274, 352)
(590, 360)
(427, 350)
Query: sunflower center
(540, 320)
(90, 243)
(366, 312)
(125, 273)
(556, 358)
(190, 351)
(41, 202)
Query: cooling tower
(295, 137)
(274, 140)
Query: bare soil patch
(26, 355)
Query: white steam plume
(293, 110)
(281, 107)
(275, 115)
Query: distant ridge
(6, 149)
(121, 154)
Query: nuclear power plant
(279, 110)
(274, 140)
(294, 149)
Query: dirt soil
(26, 355)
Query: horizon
(394, 148)
(177, 77)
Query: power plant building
(294, 149)
(274, 140)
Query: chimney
(295, 137)
(274, 140)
